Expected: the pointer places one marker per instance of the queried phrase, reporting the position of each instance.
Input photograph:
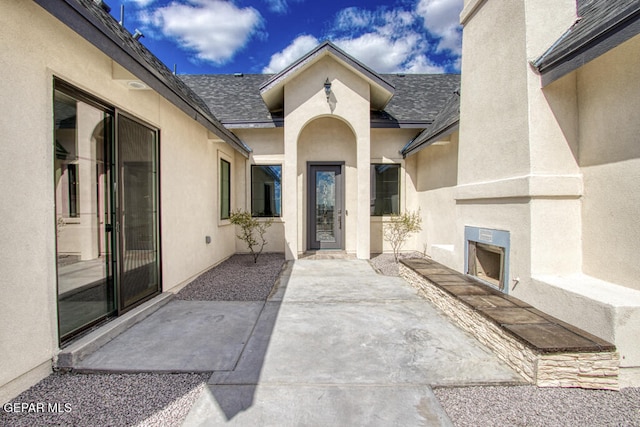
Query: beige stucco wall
(30, 59)
(268, 149)
(609, 156)
(189, 193)
(436, 176)
(493, 110)
(329, 138)
(385, 148)
(305, 102)
(555, 166)
(493, 152)
(598, 106)
(515, 155)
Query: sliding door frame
(118, 197)
(115, 198)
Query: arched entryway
(327, 183)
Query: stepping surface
(338, 344)
(539, 331)
(183, 336)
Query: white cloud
(214, 29)
(442, 19)
(422, 65)
(391, 40)
(140, 3)
(353, 18)
(280, 7)
(299, 47)
(277, 6)
(381, 53)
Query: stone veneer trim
(585, 370)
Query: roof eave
(399, 124)
(87, 26)
(254, 124)
(418, 143)
(553, 68)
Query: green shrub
(251, 231)
(398, 229)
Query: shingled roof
(418, 100)
(601, 25)
(236, 101)
(234, 98)
(445, 123)
(98, 27)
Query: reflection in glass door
(106, 191)
(138, 211)
(325, 207)
(83, 140)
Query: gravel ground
(236, 279)
(386, 265)
(107, 400)
(533, 406)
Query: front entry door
(325, 211)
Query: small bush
(398, 229)
(251, 231)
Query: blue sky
(264, 36)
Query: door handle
(339, 219)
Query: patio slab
(183, 336)
(302, 405)
(341, 345)
(335, 344)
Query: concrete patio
(335, 343)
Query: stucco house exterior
(548, 152)
(119, 176)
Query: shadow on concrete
(234, 391)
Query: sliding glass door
(138, 211)
(106, 190)
(84, 222)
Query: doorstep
(543, 349)
(69, 356)
(323, 254)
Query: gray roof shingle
(601, 25)
(236, 100)
(419, 97)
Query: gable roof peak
(272, 91)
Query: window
(266, 190)
(72, 170)
(225, 189)
(385, 189)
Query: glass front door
(326, 214)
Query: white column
(290, 192)
(88, 119)
(363, 249)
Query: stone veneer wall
(585, 370)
